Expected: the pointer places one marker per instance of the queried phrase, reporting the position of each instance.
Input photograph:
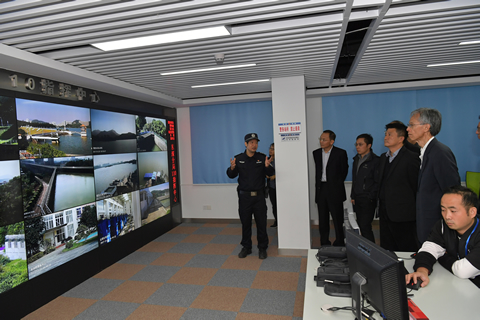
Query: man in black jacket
(364, 187)
(454, 240)
(331, 169)
(251, 167)
(398, 179)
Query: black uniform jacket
(251, 171)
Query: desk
(445, 297)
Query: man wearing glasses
(438, 169)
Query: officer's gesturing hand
(267, 162)
(232, 163)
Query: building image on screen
(54, 184)
(117, 216)
(50, 130)
(57, 238)
(115, 174)
(154, 202)
(153, 168)
(151, 134)
(13, 258)
(377, 278)
(113, 132)
(8, 129)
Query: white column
(291, 165)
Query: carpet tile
(191, 272)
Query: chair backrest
(472, 181)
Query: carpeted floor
(191, 272)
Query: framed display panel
(8, 129)
(57, 238)
(117, 216)
(113, 132)
(50, 130)
(153, 168)
(151, 134)
(53, 184)
(115, 174)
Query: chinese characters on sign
(51, 88)
(173, 153)
(289, 131)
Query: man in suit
(398, 178)
(438, 170)
(331, 169)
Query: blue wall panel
(217, 134)
(349, 116)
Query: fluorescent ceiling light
(452, 63)
(469, 42)
(229, 83)
(209, 69)
(163, 38)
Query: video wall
(73, 179)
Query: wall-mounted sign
(46, 87)
(289, 131)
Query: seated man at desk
(454, 240)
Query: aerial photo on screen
(54, 184)
(117, 216)
(11, 207)
(151, 134)
(8, 129)
(13, 258)
(113, 132)
(155, 202)
(57, 238)
(115, 174)
(153, 168)
(50, 130)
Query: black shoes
(244, 252)
(262, 254)
(274, 225)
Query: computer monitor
(349, 221)
(377, 276)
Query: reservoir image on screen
(115, 174)
(113, 132)
(54, 184)
(49, 130)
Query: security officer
(251, 167)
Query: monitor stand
(358, 280)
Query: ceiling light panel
(163, 38)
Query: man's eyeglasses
(414, 124)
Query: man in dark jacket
(438, 170)
(364, 187)
(398, 178)
(331, 169)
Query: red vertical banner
(173, 161)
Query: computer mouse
(414, 286)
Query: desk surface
(445, 297)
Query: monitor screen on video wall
(73, 179)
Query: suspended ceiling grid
(284, 38)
